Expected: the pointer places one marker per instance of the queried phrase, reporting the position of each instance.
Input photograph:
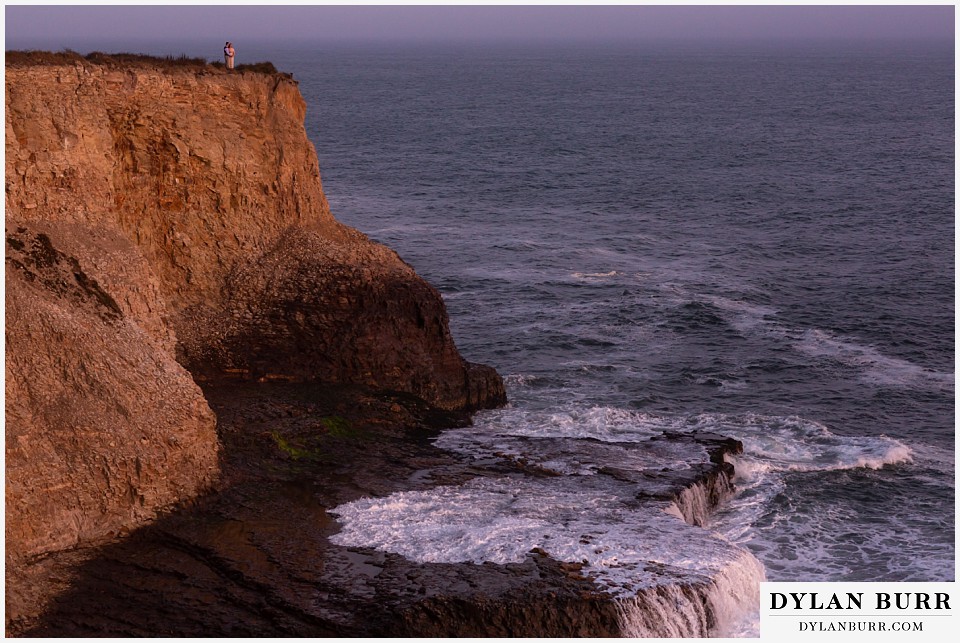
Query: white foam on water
(595, 276)
(622, 547)
(774, 446)
(519, 380)
(583, 440)
(579, 517)
(501, 520)
(815, 538)
(742, 315)
(571, 420)
(573, 441)
(677, 568)
(772, 443)
(877, 368)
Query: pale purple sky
(58, 27)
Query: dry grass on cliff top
(67, 56)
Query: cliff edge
(165, 224)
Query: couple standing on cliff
(228, 53)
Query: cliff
(166, 223)
(211, 175)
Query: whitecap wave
(593, 276)
(772, 443)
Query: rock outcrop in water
(165, 221)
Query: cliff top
(128, 60)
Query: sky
(86, 27)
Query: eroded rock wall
(312, 309)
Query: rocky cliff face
(161, 217)
(211, 175)
(200, 168)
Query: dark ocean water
(757, 242)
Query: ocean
(753, 241)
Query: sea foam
(625, 549)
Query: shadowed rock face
(103, 427)
(309, 309)
(157, 214)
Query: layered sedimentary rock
(163, 216)
(199, 168)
